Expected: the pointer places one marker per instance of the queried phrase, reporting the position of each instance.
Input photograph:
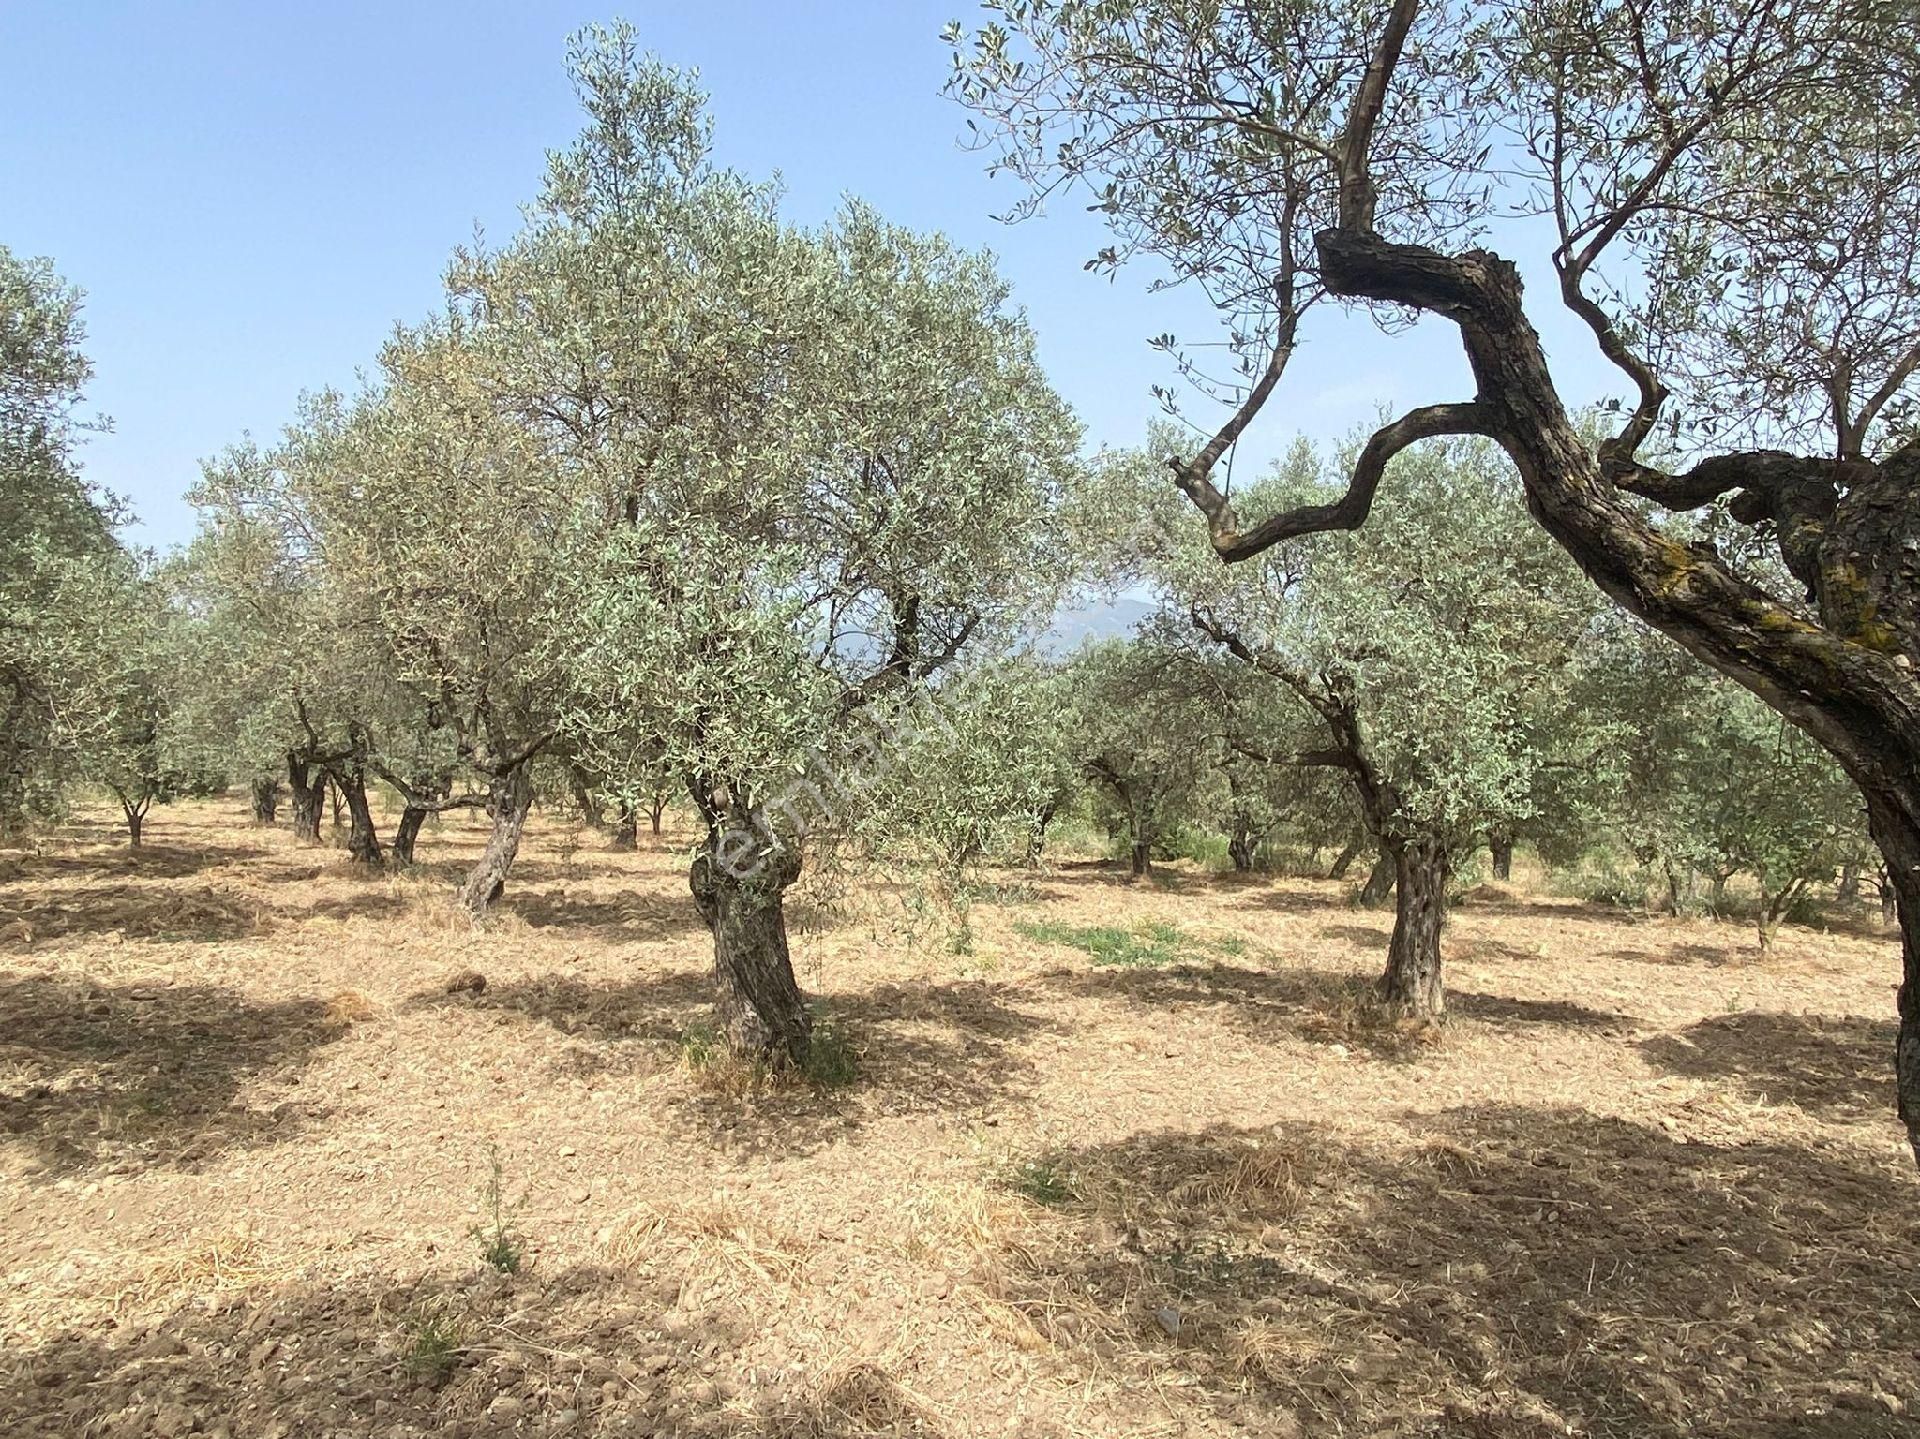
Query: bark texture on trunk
(308, 798)
(756, 997)
(1897, 833)
(406, 832)
(1242, 846)
(508, 799)
(363, 840)
(1412, 984)
(655, 811)
(1140, 858)
(626, 834)
(1380, 879)
(1501, 845)
(266, 799)
(136, 819)
(1344, 860)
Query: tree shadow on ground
(1364, 936)
(1692, 952)
(921, 1048)
(131, 1077)
(606, 1342)
(1505, 1010)
(172, 914)
(636, 916)
(1516, 1272)
(1307, 1004)
(654, 1010)
(1824, 1065)
(368, 903)
(1520, 908)
(935, 1047)
(150, 861)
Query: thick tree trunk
(1344, 860)
(363, 840)
(1140, 857)
(1501, 844)
(1380, 879)
(655, 811)
(756, 997)
(1896, 829)
(135, 820)
(266, 799)
(1849, 888)
(508, 800)
(405, 833)
(1412, 984)
(307, 800)
(1242, 846)
(626, 830)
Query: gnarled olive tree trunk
(756, 997)
(626, 831)
(406, 832)
(1344, 860)
(309, 796)
(1412, 985)
(265, 794)
(1380, 879)
(509, 798)
(363, 840)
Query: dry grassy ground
(1645, 1184)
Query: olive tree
(57, 548)
(817, 466)
(1433, 656)
(1713, 783)
(1730, 205)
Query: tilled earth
(1644, 1182)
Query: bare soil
(1644, 1182)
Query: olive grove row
(674, 500)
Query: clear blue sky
(252, 195)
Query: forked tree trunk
(136, 819)
(266, 799)
(1412, 984)
(1380, 879)
(1344, 860)
(1501, 844)
(655, 811)
(363, 840)
(509, 798)
(757, 1000)
(308, 798)
(405, 833)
